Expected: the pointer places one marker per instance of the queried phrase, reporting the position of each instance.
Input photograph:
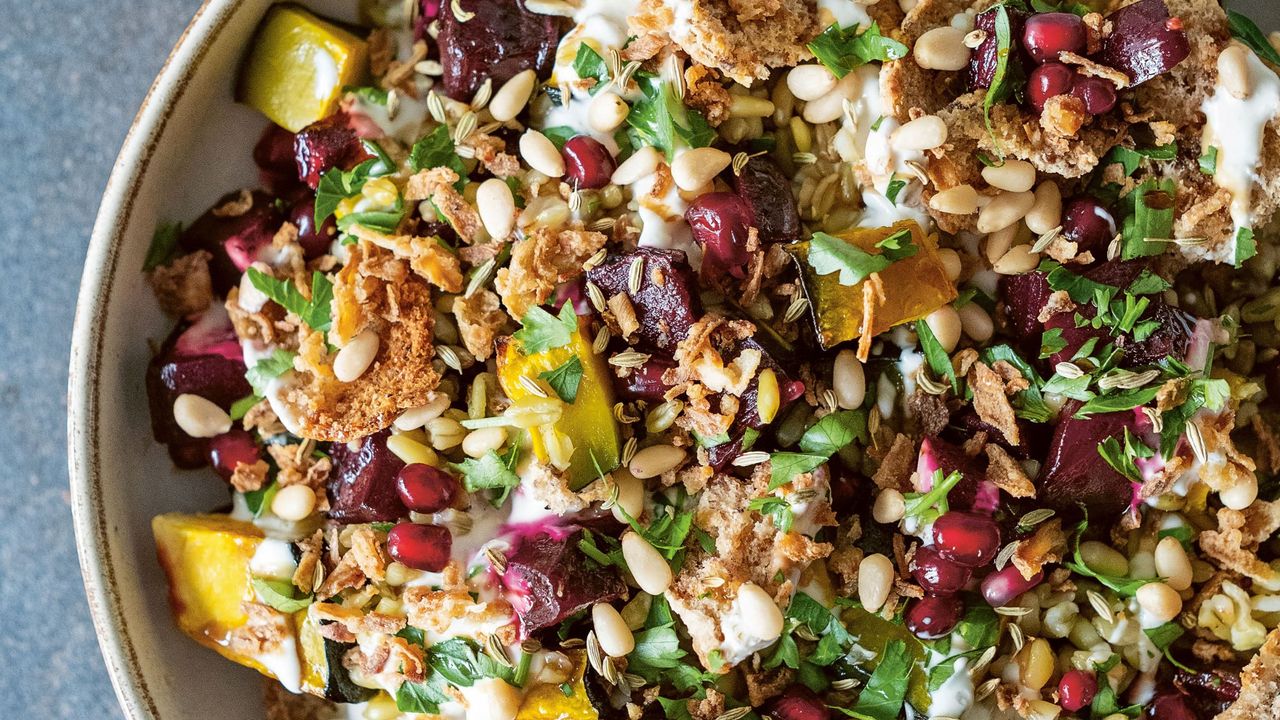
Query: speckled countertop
(72, 74)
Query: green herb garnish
(841, 50)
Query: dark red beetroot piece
(1144, 41)
(587, 163)
(500, 41)
(1208, 693)
(326, 144)
(798, 703)
(274, 157)
(548, 579)
(933, 616)
(1074, 473)
(938, 454)
(1002, 586)
(1049, 80)
(645, 382)
(721, 222)
(1047, 35)
(303, 216)
(767, 192)
(982, 63)
(1032, 436)
(421, 547)
(1024, 296)
(231, 449)
(968, 539)
(426, 489)
(666, 312)
(233, 241)
(1076, 690)
(1170, 706)
(200, 359)
(362, 486)
(1089, 224)
(936, 574)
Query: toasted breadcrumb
(480, 321)
(184, 287)
(542, 261)
(1260, 685)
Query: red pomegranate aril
(426, 489)
(933, 616)
(314, 242)
(721, 222)
(1088, 224)
(587, 163)
(965, 538)
(1076, 690)
(1049, 80)
(1002, 586)
(230, 449)
(798, 703)
(936, 574)
(1098, 94)
(421, 547)
(1046, 35)
(1169, 706)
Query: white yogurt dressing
(273, 559)
(845, 12)
(1236, 128)
(740, 640)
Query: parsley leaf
(241, 407)
(565, 379)
(895, 186)
(886, 690)
(258, 500)
(268, 369)
(588, 64)
(560, 134)
(1052, 343)
(1121, 585)
(1247, 32)
(779, 509)
(317, 312)
(785, 466)
(423, 697)
(1246, 246)
(657, 649)
(829, 254)
(819, 443)
(540, 330)
(1152, 218)
(164, 246)
(1131, 158)
(490, 472)
(1115, 402)
(1209, 161)
(935, 355)
(337, 185)
(662, 120)
(281, 595)
(1122, 458)
(841, 50)
(436, 149)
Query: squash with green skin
(298, 65)
(872, 634)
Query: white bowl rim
(93, 539)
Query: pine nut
(875, 578)
(768, 399)
(639, 165)
(945, 324)
(1142, 566)
(998, 243)
(1013, 176)
(1160, 602)
(630, 495)
(950, 260)
(1036, 663)
(656, 460)
(512, 96)
(606, 112)
(479, 442)
(959, 200)
(941, 48)
(414, 418)
(200, 418)
(615, 637)
(445, 433)
(848, 380)
(693, 169)
(976, 322)
(541, 154)
(1017, 261)
(1004, 210)
(890, 506)
(1045, 710)
(356, 356)
(493, 699)
(411, 451)
(1046, 212)
(1241, 495)
(293, 502)
(648, 567)
(924, 133)
(750, 106)
(810, 82)
(759, 611)
(1233, 71)
(830, 107)
(1172, 564)
(497, 208)
(1103, 558)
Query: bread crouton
(1260, 685)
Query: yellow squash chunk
(587, 422)
(206, 558)
(298, 65)
(548, 702)
(873, 634)
(913, 287)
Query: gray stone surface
(72, 74)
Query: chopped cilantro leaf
(540, 330)
(337, 185)
(841, 50)
(1131, 158)
(1121, 585)
(1052, 343)
(241, 407)
(1115, 402)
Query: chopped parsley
(827, 437)
(841, 50)
(588, 64)
(779, 509)
(895, 188)
(829, 254)
(540, 330)
(565, 379)
(935, 355)
(1122, 457)
(1001, 82)
(1246, 246)
(1123, 586)
(268, 369)
(491, 472)
(1209, 161)
(1151, 219)
(886, 690)
(281, 595)
(316, 312)
(436, 149)
(662, 120)
(1131, 158)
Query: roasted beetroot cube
(1144, 41)
(1170, 340)
(667, 304)
(1074, 473)
(362, 486)
(548, 579)
(788, 389)
(767, 190)
(234, 241)
(1209, 693)
(326, 144)
(203, 359)
(982, 64)
(721, 224)
(966, 424)
(1024, 297)
(645, 382)
(974, 492)
(501, 40)
(274, 157)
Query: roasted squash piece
(913, 287)
(298, 65)
(587, 422)
(873, 634)
(549, 702)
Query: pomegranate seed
(1173, 24)
(1098, 94)
(798, 703)
(936, 574)
(965, 538)
(230, 449)
(1076, 690)
(1049, 80)
(314, 242)
(426, 489)
(1170, 706)
(720, 222)
(587, 163)
(421, 547)
(933, 616)
(1088, 224)
(1002, 586)
(1047, 35)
